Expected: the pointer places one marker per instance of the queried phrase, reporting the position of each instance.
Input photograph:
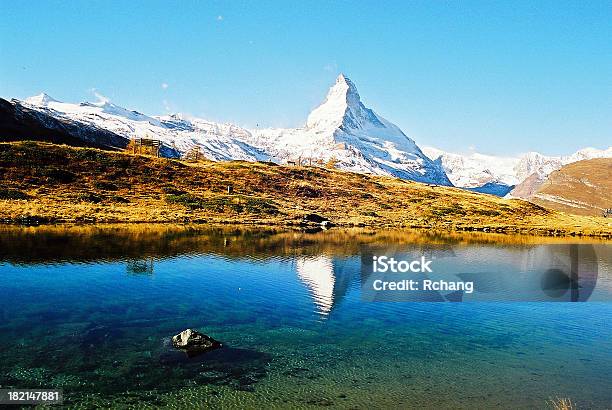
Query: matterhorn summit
(341, 104)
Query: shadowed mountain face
(581, 188)
(18, 122)
(493, 188)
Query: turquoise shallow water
(92, 310)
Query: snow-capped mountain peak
(357, 139)
(330, 114)
(342, 108)
(474, 170)
(41, 99)
(590, 153)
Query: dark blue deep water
(91, 310)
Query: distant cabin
(146, 146)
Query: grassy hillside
(52, 183)
(581, 188)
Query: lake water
(91, 310)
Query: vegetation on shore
(46, 183)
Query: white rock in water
(192, 339)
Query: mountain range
(513, 176)
(341, 130)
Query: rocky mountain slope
(581, 188)
(20, 121)
(178, 134)
(342, 130)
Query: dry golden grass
(58, 184)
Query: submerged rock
(193, 341)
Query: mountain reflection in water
(91, 310)
(326, 262)
(327, 279)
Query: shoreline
(491, 236)
(512, 231)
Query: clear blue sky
(501, 77)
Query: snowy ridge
(216, 141)
(342, 129)
(474, 170)
(41, 99)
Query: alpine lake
(91, 310)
